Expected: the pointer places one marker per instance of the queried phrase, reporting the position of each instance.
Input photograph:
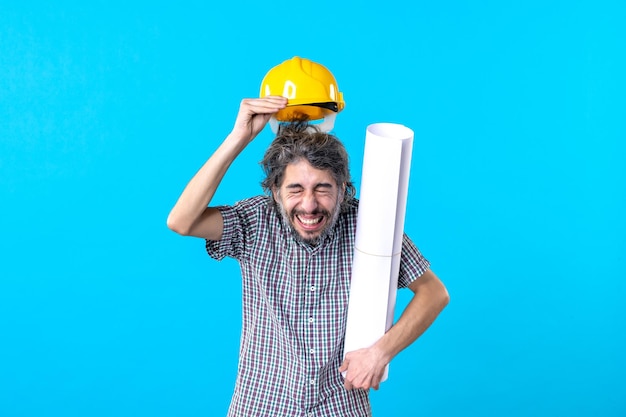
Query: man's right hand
(254, 113)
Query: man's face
(309, 201)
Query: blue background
(517, 196)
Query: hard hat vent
(289, 89)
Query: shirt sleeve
(231, 234)
(240, 227)
(412, 263)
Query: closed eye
(294, 189)
(320, 189)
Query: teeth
(310, 222)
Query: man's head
(308, 176)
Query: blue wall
(517, 196)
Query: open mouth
(310, 222)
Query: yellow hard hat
(310, 88)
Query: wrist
(382, 350)
(236, 141)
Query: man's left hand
(364, 368)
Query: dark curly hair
(300, 139)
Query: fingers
(349, 385)
(356, 382)
(359, 381)
(254, 113)
(265, 105)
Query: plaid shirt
(295, 299)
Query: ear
(341, 193)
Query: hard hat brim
(312, 111)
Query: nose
(309, 202)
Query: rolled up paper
(379, 232)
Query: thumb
(344, 366)
(257, 123)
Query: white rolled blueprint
(379, 231)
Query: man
(295, 248)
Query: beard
(313, 240)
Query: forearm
(201, 188)
(190, 214)
(429, 299)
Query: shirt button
(312, 381)
(312, 287)
(312, 351)
(311, 320)
(310, 415)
